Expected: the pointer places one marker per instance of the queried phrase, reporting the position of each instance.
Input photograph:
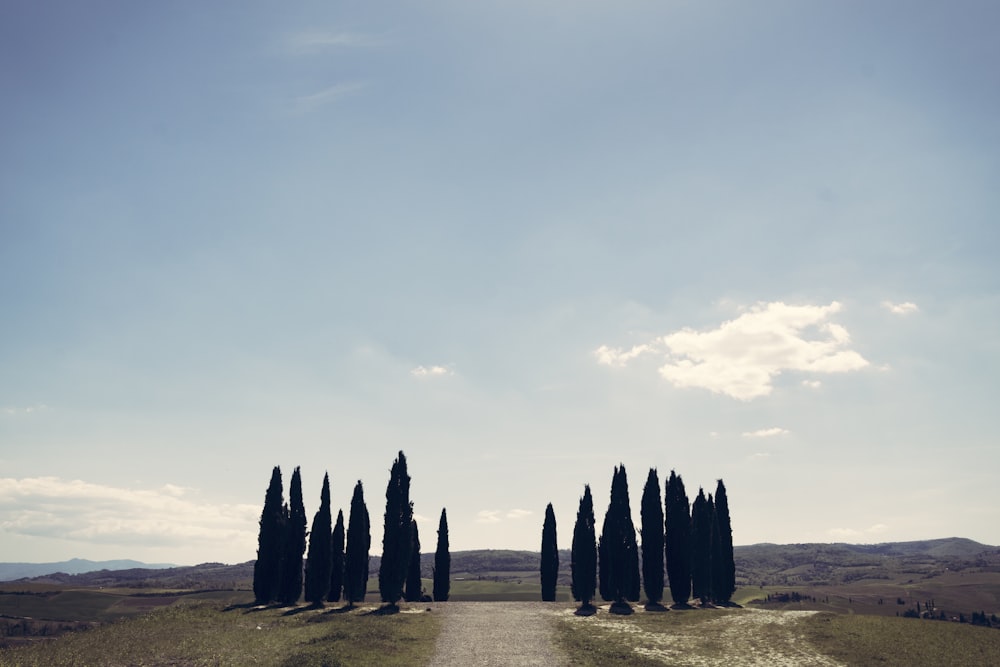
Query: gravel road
(497, 633)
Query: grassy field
(205, 633)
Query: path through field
(497, 633)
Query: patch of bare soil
(497, 633)
(750, 637)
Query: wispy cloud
(309, 103)
(496, 516)
(812, 384)
(431, 371)
(853, 534)
(488, 516)
(742, 357)
(905, 308)
(765, 432)
(168, 516)
(14, 410)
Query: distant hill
(11, 571)
(818, 564)
(757, 564)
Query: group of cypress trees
(694, 543)
(337, 560)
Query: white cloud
(496, 516)
(616, 357)
(13, 410)
(854, 534)
(765, 432)
(80, 511)
(812, 384)
(431, 371)
(742, 357)
(488, 516)
(905, 308)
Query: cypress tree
(337, 559)
(617, 550)
(583, 559)
(412, 591)
(652, 540)
(396, 538)
(442, 561)
(701, 548)
(724, 558)
(678, 540)
(550, 556)
(294, 544)
(359, 541)
(319, 560)
(266, 569)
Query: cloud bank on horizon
(741, 357)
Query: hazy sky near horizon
(523, 242)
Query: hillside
(12, 571)
(756, 565)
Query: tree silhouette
(550, 556)
(617, 550)
(723, 560)
(442, 561)
(359, 541)
(266, 570)
(652, 539)
(337, 560)
(396, 538)
(412, 590)
(583, 559)
(294, 543)
(701, 547)
(678, 540)
(319, 560)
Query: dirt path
(497, 633)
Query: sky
(523, 242)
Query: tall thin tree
(442, 561)
(550, 556)
(701, 548)
(583, 556)
(617, 551)
(294, 543)
(724, 560)
(396, 538)
(412, 592)
(319, 560)
(337, 560)
(678, 540)
(359, 541)
(266, 571)
(652, 540)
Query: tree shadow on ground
(384, 610)
(621, 608)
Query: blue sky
(522, 242)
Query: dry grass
(205, 634)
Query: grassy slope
(203, 634)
